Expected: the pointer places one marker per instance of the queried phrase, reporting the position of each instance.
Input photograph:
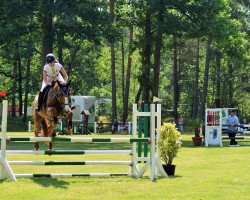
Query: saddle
(45, 92)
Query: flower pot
(169, 169)
(197, 141)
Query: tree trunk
(123, 71)
(60, 47)
(27, 86)
(218, 80)
(126, 95)
(230, 86)
(14, 72)
(113, 74)
(205, 83)
(175, 80)
(196, 81)
(223, 91)
(157, 53)
(137, 97)
(47, 20)
(146, 61)
(20, 80)
(72, 64)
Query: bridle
(57, 95)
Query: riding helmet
(50, 58)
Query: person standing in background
(180, 124)
(232, 122)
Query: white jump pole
(152, 147)
(153, 160)
(29, 126)
(95, 126)
(5, 167)
(129, 128)
(160, 171)
(61, 125)
(134, 167)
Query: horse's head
(62, 90)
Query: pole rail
(138, 164)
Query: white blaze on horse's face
(66, 107)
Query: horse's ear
(52, 83)
(69, 82)
(58, 82)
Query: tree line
(190, 54)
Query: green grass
(201, 173)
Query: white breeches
(50, 79)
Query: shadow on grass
(160, 177)
(189, 144)
(48, 182)
(175, 176)
(68, 146)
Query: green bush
(168, 119)
(169, 142)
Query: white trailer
(82, 103)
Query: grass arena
(202, 173)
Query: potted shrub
(169, 144)
(196, 124)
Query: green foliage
(168, 120)
(82, 32)
(15, 124)
(169, 142)
(196, 123)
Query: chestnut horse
(54, 106)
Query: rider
(52, 71)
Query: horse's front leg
(52, 113)
(37, 123)
(51, 131)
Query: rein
(62, 104)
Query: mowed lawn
(201, 173)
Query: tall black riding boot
(40, 101)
